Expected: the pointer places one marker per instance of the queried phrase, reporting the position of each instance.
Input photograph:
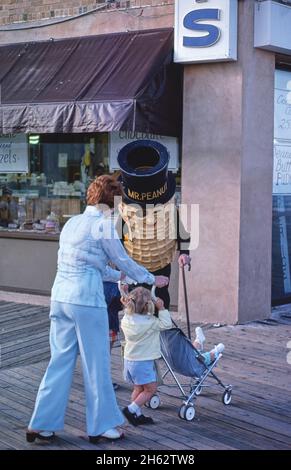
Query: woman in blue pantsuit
(79, 320)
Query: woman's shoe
(112, 435)
(42, 435)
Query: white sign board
(282, 169)
(121, 138)
(273, 26)
(62, 160)
(282, 123)
(205, 31)
(13, 153)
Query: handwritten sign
(282, 134)
(13, 153)
(282, 123)
(282, 169)
(121, 138)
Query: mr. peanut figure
(152, 232)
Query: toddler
(141, 329)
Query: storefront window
(44, 178)
(52, 188)
(281, 267)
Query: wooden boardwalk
(255, 363)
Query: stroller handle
(153, 293)
(123, 293)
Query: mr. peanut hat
(144, 172)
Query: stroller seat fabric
(180, 353)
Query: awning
(121, 81)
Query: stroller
(180, 356)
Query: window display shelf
(29, 235)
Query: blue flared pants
(74, 329)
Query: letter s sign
(191, 21)
(205, 34)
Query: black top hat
(145, 175)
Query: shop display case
(27, 207)
(56, 171)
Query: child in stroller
(208, 356)
(185, 358)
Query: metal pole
(186, 300)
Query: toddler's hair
(139, 301)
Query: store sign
(121, 138)
(205, 31)
(282, 169)
(273, 26)
(282, 123)
(13, 153)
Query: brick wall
(20, 11)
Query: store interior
(53, 188)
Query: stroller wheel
(187, 412)
(226, 397)
(198, 391)
(154, 402)
(182, 412)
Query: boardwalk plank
(254, 362)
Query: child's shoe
(142, 419)
(200, 338)
(218, 349)
(132, 417)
